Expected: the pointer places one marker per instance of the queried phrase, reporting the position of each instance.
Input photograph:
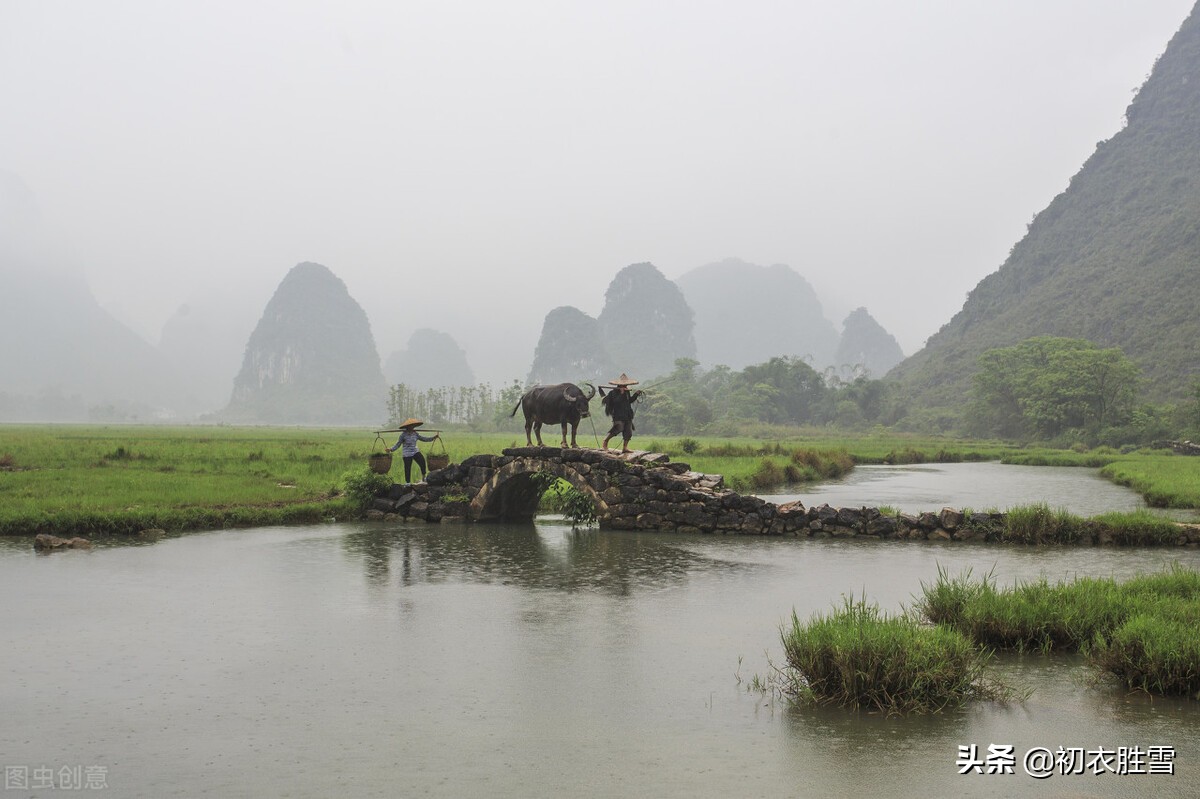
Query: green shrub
(828, 464)
(905, 455)
(767, 475)
(363, 485)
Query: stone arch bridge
(634, 491)
(647, 491)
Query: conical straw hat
(411, 422)
(624, 380)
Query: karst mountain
(748, 314)
(1115, 258)
(311, 359)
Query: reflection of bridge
(641, 490)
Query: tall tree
(1048, 385)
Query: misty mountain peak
(746, 314)
(311, 359)
(432, 359)
(646, 323)
(570, 349)
(865, 345)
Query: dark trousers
(408, 462)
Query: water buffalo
(563, 404)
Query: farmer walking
(618, 403)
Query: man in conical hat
(618, 403)
(407, 444)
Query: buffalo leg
(528, 428)
(537, 429)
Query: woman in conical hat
(618, 403)
(407, 444)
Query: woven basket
(438, 460)
(380, 462)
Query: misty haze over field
(469, 167)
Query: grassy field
(91, 479)
(1166, 481)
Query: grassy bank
(117, 480)
(1140, 632)
(1166, 481)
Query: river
(399, 659)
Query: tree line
(1053, 390)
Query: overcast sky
(497, 160)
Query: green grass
(1040, 524)
(1140, 632)
(859, 657)
(1154, 653)
(1166, 481)
(96, 480)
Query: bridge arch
(512, 493)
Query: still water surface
(980, 486)
(397, 659)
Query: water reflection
(545, 556)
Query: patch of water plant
(1140, 632)
(860, 657)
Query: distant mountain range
(729, 313)
(1114, 259)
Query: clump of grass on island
(860, 657)
(1140, 632)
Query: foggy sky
(457, 163)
